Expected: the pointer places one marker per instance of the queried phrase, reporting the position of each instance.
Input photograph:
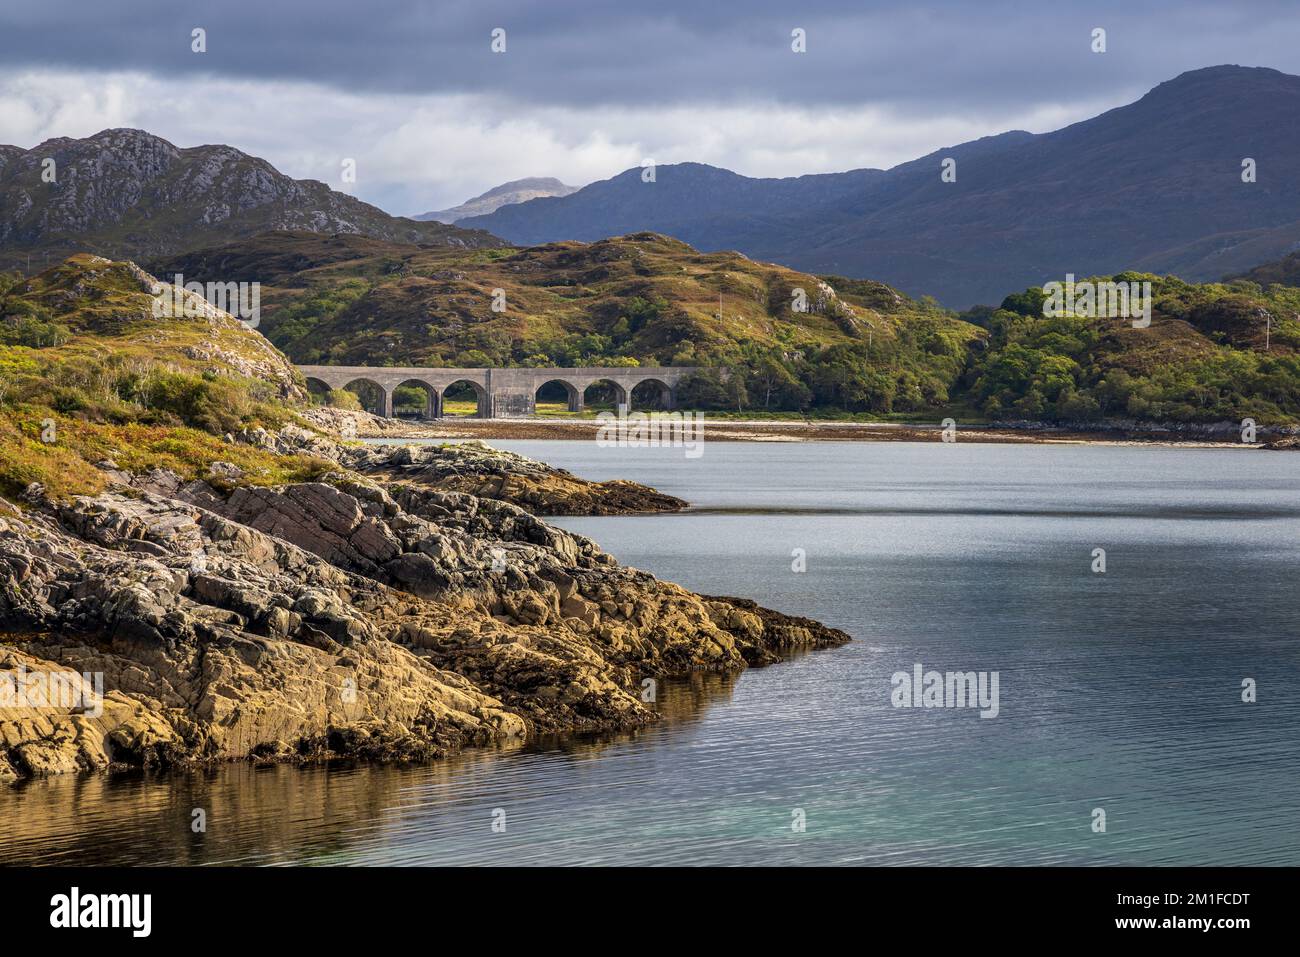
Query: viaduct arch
(502, 393)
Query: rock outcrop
(478, 469)
(346, 616)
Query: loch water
(1119, 691)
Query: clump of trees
(1081, 369)
(911, 371)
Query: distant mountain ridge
(129, 194)
(507, 194)
(1155, 185)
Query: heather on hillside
(772, 340)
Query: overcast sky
(414, 93)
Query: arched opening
(318, 391)
(464, 398)
(604, 395)
(370, 396)
(557, 397)
(652, 395)
(414, 399)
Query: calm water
(1119, 691)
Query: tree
(713, 389)
(771, 379)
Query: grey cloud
(623, 72)
(935, 57)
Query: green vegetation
(300, 320)
(772, 341)
(113, 382)
(789, 341)
(1203, 359)
(343, 399)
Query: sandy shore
(726, 430)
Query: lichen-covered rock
(476, 468)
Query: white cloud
(421, 152)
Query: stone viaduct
(502, 393)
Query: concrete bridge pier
(510, 398)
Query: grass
(65, 464)
(143, 392)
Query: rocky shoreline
(476, 469)
(402, 606)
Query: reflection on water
(340, 813)
(1119, 691)
(1220, 511)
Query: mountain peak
(547, 183)
(129, 194)
(507, 194)
(1226, 79)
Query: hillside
(1155, 185)
(507, 194)
(1214, 352)
(88, 373)
(97, 377)
(126, 194)
(708, 207)
(643, 298)
(1285, 272)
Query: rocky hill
(642, 298)
(1213, 353)
(128, 194)
(1155, 185)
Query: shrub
(343, 399)
(37, 333)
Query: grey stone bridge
(502, 393)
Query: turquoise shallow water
(1119, 691)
